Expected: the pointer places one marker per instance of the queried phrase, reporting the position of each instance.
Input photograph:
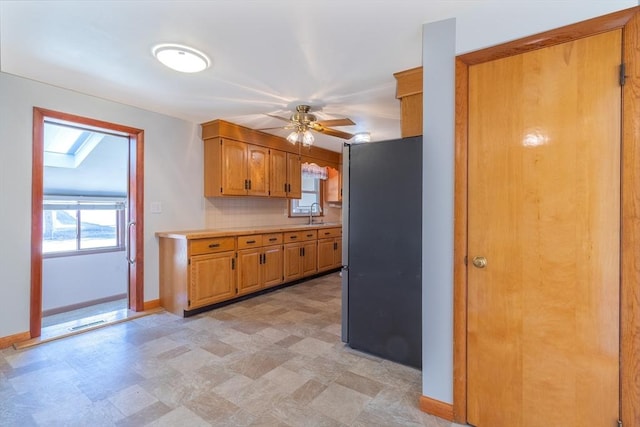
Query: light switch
(156, 207)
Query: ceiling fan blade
(277, 127)
(336, 122)
(278, 117)
(332, 132)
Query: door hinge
(466, 260)
(623, 74)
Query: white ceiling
(268, 55)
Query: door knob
(479, 262)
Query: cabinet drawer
(325, 233)
(300, 236)
(213, 245)
(250, 241)
(271, 239)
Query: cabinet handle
(289, 188)
(246, 184)
(264, 258)
(214, 245)
(326, 233)
(285, 187)
(293, 237)
(309, 235)
(273, 239)
(249, 184)
(300, 251)
(233, 263)
(250, 241)
(335, 246)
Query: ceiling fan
(302, 122)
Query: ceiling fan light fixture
(307, 138)
(293, 137)
(181, 58)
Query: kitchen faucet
(311, 211)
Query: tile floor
(273, 360)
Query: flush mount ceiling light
(181, 58)
(361, 137)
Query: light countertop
(240, 231)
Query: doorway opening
(87, 210)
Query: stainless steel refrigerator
(382, 249)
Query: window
(79, 226)
(311, 193)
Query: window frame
(320, 195)
(78, 204)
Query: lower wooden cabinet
(329, 248)
(272, 266)
(211, 279)
(300, 260)
(259, 268)
(249, 271)
(329, 254)
(198, 271)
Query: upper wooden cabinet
(409, 91)
(286, 175)
(333, 186)
(239, 161)
(233, 168)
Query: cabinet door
(294, 176)
(337, 253)
(326, 257)
(258, 170)
(309, 258)
(278, 173)
(333, 186)
(272, 265)
(234, 167)
(211, 279)
(292, 261)
(248, 271)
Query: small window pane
(59, 231)
(310, 184)
(98, 228)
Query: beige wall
(225, 212)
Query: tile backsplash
(231, 212)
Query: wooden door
(258, 170)
(234, 167)
(249, 271)
(278, 173)
(544, 209)
(211, 279)
(294, 176)
(272, 273)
